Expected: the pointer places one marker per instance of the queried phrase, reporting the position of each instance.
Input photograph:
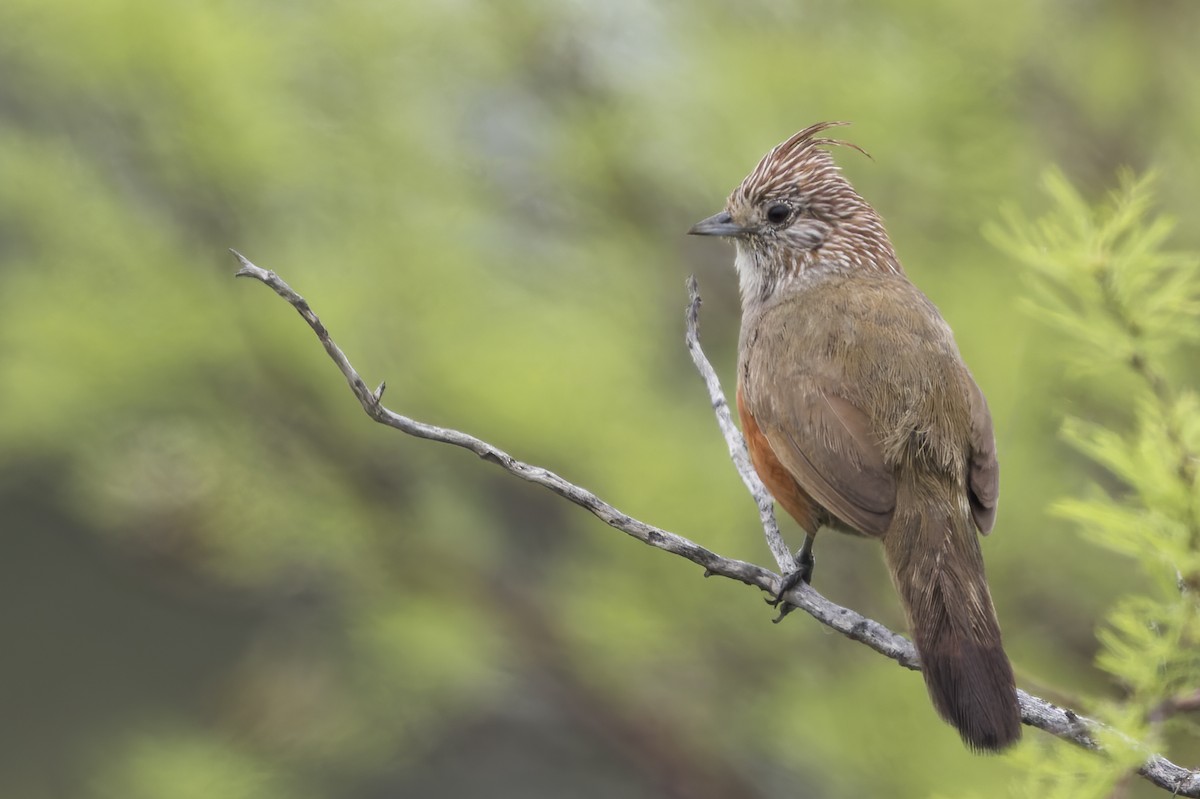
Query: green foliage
(1102, 277)
(186, 766)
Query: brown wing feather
(984, 477)
(777, 477)
(826, 444)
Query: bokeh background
(219, 578)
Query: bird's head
(795, 213)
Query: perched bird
(860, 415)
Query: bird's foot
(805, 563)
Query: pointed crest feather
(788, 159)
(806, 139)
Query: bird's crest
(802, 158)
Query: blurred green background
(219, 578)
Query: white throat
(750, 277)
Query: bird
(861, 416)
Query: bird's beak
(721, 224)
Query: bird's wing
(984, 477)
(826, 444)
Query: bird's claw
(805, 563)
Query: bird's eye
(778, 213)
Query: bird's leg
(805, 563)
(805, 559)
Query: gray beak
(721, 224)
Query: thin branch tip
(246, 268)
(243, 262)
(693, 288)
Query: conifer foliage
(1104, 278)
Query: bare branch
(1061, 722)
(733, 437)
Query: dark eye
(778, 213)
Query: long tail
(933, 553)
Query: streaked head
(795, 213)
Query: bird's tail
(933, 553)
